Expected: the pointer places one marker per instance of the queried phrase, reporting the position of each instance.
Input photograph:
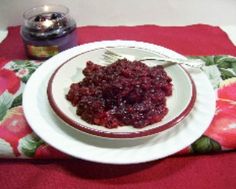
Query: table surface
(193, 171)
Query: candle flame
(47, 23)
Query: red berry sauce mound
(123, 93)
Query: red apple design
(45, 151)
(13, 127)
(223, 126)
(9, 81)
(228, 89)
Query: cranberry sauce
(123, 93)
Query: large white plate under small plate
(179, 103)
(114, 151)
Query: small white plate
(115, 151)
(179, 103)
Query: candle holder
(48, 30)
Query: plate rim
(136, 134)
(186, 134)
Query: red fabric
(189, 40)
(200, 172)
(205, 171)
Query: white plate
(179, 103)
(114, 151)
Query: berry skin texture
(122, 93)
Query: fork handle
(196, 63)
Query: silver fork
(110, 57)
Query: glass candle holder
(48, 30)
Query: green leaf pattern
(29, 144)
(225, 64)
(17, 101)
(205, 145)
(24, 69)
(6, 100)
(217, 68)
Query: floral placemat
(17, 140)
